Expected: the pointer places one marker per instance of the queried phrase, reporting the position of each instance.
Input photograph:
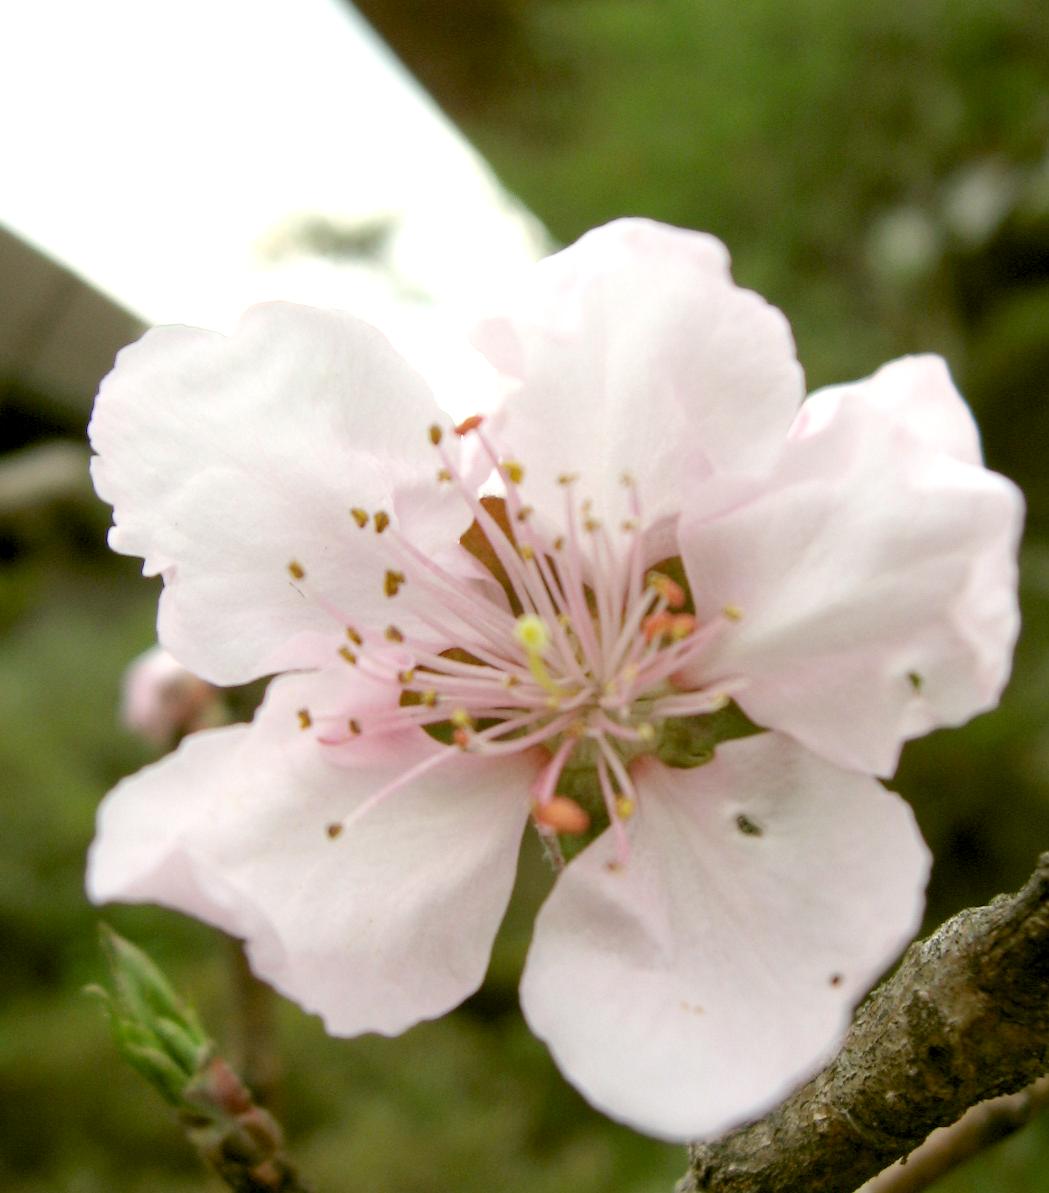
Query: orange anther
(469, 424)
(562, 815)
(658, 625)
(671, 592)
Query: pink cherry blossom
(549, 615)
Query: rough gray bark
(964, 1018)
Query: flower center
(565, 641)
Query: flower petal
(915, 393)
(694, 987)
(635, 352)
(876, 576)
(388, 923)
(230, 459)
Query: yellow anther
(393, 634)
(527, 553)
(359, 516)
(530, 630)
(628, 526)
(392, 581)
(514, 471)
(296, 570)
(353, 636)
(625, 808)
(382, 520)
(406, 677)
(732, 612)
(524, 513)
(647, 732)
(354, 726)
(333, 830)
(348, 655)
(510, 681)
(305, 720)
(568, 478)
(436, 434)
(461, 719)
(591, 524)
(626, 479)
(443, 476)
(429, 697)
(559, 542)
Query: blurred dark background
(880, 172)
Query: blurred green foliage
(882, 173)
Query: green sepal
(685, 742)
(156, 1031)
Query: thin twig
(946, 1148)
(965, 1018)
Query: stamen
(296, 570)
(622, 842)
(403, 780)
(545, 786)
(305, 720)
(359, 516)
(382, 520)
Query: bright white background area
(182, 159)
